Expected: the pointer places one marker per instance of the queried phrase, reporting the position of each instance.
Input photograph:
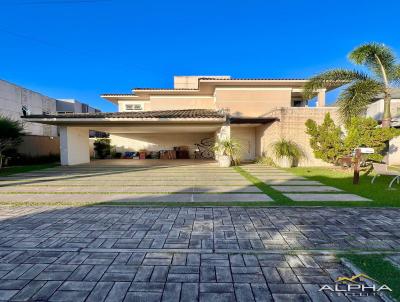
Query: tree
(329, 143)
(11, 133)
(361, 87)
(365, 132)
(325, 139)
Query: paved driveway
(160, 181)
(183, 254)
(103, 181)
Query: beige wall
(156, 141)
(176, 102)
(144, 103)
(253, 102)
(35, 145)
(292, 126)
(74, 145)
(247, 138)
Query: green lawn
(378, 268)
(378, 192)
(21, 169)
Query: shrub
(326, 139)
(22, 159)
(287, 148)
(365, 132)
(228, 147)
(102, 148)
(11, 133)
(329, 143)
(266, 160)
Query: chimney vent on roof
(192, 82)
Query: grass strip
(378, 192)
(136, 204)
(126, 193)
(23, 169)
(266, 189)
(378, 268)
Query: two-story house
(197, 109)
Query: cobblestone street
(183, 254)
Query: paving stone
(147, 287)
(46, 291)
(100, 292)
(221, 297)
(190, 292)
(118, 292)
(77, 285)
(305, 189)
(7, 294)
(69, 296)
(143, 296)
(291, 297)
(325, 197)
(13, 284)
(171, 292)
(243, 292)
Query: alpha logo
(354, 286)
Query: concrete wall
(394, 151)
(292, 126)
(375, 110)
(252, 102)
(13, 97)
(156, 141)
(74, 145)
(34, 145)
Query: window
(298, 103)
(133, 107)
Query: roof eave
(119, 120)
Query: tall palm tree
(381, 76)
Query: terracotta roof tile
(188, 113)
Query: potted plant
(227, 151)
(287, 152)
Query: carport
(157, 129)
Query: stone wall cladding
(291, 125)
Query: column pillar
(321, 98)
(74, 145)
(223, 133)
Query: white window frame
(134, 107)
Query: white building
(39, 139)
(375, 110)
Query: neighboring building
(74, 106)
(14, 100)
(256, 112)
(39, 139)
(375, 110)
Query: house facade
(197, 110)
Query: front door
(246, 137)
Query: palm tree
(383, 74)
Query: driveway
(132, 181)
(183, 254)
(157, 181)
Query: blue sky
(82, 48)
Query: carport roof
(162, 114)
